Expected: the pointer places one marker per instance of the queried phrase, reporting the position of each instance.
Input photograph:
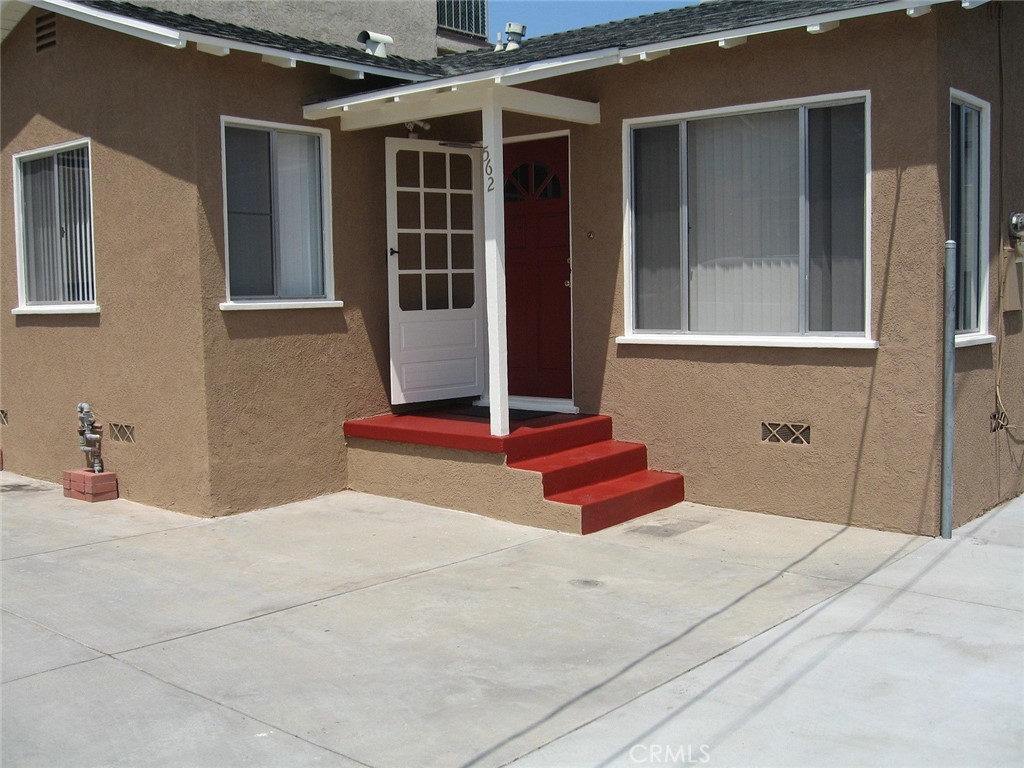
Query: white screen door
(435, 285)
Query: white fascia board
(779, 26)
(108, 20)
(506, 76)
(547, 105)
(278, 53)
(382, 114)
(542, 70)
(432, 105)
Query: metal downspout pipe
(948, 371)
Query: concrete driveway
(356, 630)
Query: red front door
(537, 270)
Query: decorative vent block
(122, 433)
(46, 31)
(781, 432)
(3, 418)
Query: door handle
(392, 252)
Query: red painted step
(579, 462)
(614, 501)
(528, 442)
(547, 434)
(586, 464)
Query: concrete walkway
(356, 630)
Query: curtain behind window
(300, 231)
(743, 182)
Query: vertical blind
(751, 223)
(57, 218)
(744, 223)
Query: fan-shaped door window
(532, 181)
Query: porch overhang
(401, 105)
(491, 99)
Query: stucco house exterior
(708, 242)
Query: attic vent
(778, 432)
(46, 31)
(122, 433)
(3, 418)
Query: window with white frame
(968, 214)
(55, 241)
(751, 223)
(276, 199)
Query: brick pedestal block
(85, 485)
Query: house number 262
(488, 170)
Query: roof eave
(174, 38)
(548, 68)
(784, 25)
(143, 29)
(513, 75)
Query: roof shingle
(708, 18)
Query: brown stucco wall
(875, 415)
(139, 360)
(472, 482)
(253, 415)
(989, 466)
(233, 410)
(280, 383)
(873, 460)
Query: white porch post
(494, 265)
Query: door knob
(566, 283)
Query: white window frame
(982, 334)
(56, 308)
(326, 212)
(863, 340)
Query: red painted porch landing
(581, 465)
